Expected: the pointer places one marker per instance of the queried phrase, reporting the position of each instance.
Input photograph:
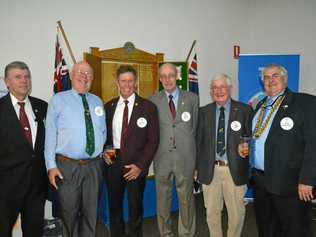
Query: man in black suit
(283, 157)
(23, 178)
(221, 170)
(133, 130)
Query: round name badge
(286, 123)
(185, 116)
(141, 122)
(235, 126)
(99, 111)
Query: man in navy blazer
(23, 178)
(283, 157)
(133, 130)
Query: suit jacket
(177, 137)
(140, 143)
(21, 166)
(290, 154)
(206, 142)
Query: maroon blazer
(141, 141)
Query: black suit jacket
(290, 155)
(21, 166)
(140, 143)
(206, 143)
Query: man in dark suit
(283, 157)
(221, 170)
(23, 178)
(133, 130)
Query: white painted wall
(28, 29)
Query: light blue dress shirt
(257, 146)
(175, 97)
(66, 129)
(227, 112)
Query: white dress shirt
(118, 119)
(29, 113)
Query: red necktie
(25, 123)
(124, 123)
(172, 107)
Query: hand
(132, 173)
(305, 192)
(52, 175)
(107, 158)
(243, 150)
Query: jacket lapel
(135, 115)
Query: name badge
(235, 126)
(286, 123)
(99, 111)
(185, 116)
(141, 122)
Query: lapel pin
(36, 110)
(136, 103)
(285, 106)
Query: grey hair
(16, 65)
(174, 68)
(278, 66)
(221, 76)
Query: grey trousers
(184, 187)
(78, 195)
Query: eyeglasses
(219, 88)
(84, 74)
(169, 76)
(273, 76)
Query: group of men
(222, 141)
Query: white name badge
(99, 111)
(235, 126)
(141, 122)
(287, 123)
(185, 116)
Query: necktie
(90, 144)
(25, 123)
(220, 148)
(172, 107)
(124, 123)
(267, 108)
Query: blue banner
(249, 74)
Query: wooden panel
(95, 63)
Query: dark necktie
(220, 148)
(90, 144)
(25, 123)
(172, 107)
(124, 123)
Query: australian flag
(193, 76)
(61, 75)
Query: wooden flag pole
(66, 41)
(193, 44)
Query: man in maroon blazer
(133, 130)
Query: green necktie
(89, 126)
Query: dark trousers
(279, 216)
(116, 185)
(31, 208)
(78, 195)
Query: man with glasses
(282, 155)
(175, 157)
(75, 135)
(222, 171)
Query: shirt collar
(273, 98)
(175, 93)
(15, 100)
(130, 99)
(226, 106)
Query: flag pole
(66, 41)
(193, 44)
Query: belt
(221, 163)
(80, 161)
